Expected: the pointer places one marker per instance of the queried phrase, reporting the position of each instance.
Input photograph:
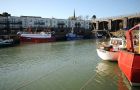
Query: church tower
(74, 15)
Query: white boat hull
(107, 55)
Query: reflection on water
(70, 65)
(108, 77)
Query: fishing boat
(41, 37)
(6, 43)
(100, 34)
(9, 40)
(73, 36)
(110, 51)
(129, 59)
(108, 46)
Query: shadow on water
(108, 77)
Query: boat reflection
(108, 77)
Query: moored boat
(108, 49)
(9, 40)
(129, 60)
(6, 43)
(41, 37)
(107, 55)
(73, 36)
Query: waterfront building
(10, 25)
(32, 21)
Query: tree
(5, 14)
(0, 14)
(94, 17)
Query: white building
(32, 21)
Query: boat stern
(129, 64)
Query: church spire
(74, 14)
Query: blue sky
(65, 8)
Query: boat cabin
(118, 42)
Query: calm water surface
(70, 65)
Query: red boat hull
(37, 40)
(129, 64)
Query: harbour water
(72, 65)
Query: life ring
(115, 42)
